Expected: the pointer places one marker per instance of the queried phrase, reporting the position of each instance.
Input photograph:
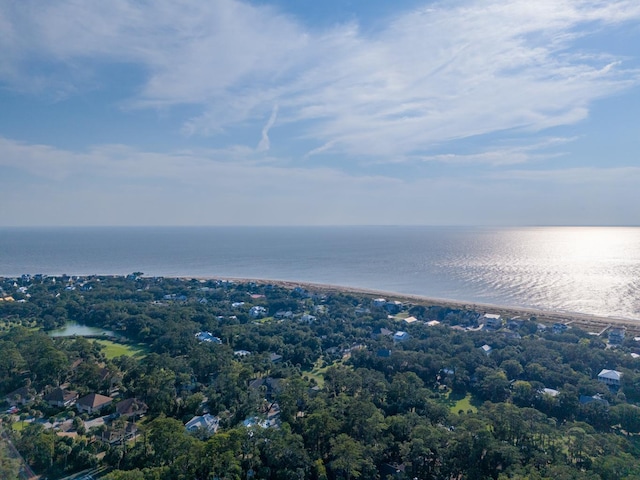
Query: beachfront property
(393, 307)
(491, 320)
(379, 302)
(611, 378)
(616, 335)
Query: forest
(218, 379)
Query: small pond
(72, 328)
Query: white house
(610, 378)
(306, 318)
(492, 320)
(208, 337)
(257, 311)
(206, 422)
(486, 349)
(379, 302)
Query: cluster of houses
(128, 409)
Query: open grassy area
(458, 402)
(319, 369)
(115, 349)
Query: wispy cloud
(114, 184)
(447, 71)
(265, 143)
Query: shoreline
(588, 322)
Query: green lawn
(458, 402)
(319, 369)
(114, 349)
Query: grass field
(458, 402)
(319, 369)
(114, 349)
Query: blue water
(593, 270)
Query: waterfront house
(379, 302)
(491, 320)
(616, 336)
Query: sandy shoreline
(591, 323)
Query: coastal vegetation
(255, 380)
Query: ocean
(591, 270)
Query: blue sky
(278, 112)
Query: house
(306, 318)
(275, 358)
(94, 402)
(22, 396)
(257, 311)
(385, 332)
(113, 435)
(242, 353)
(208, 337)
(379, 302)
(616, 336)
(586, 400)
(551, 392)
(560, 328)
(281, 314)
(392, 470)
(271, 386)
(60, 397)
(611, 378)
(131, 407)
(393, 307)
(486, 349)
(432, 323)
(492, 320)
(410, 320)
(400, 336)
(205, 423)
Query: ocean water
(593, 270)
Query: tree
(347, 457)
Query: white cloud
(265, 143)
(125, 186)
(448, 71)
